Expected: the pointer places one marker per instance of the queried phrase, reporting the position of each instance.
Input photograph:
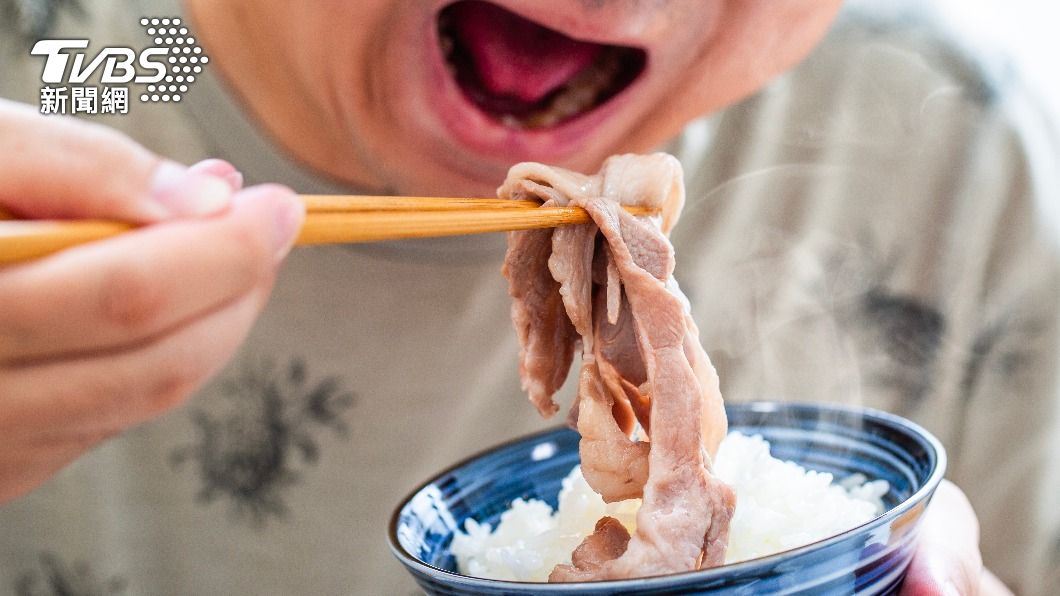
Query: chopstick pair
(330, 219)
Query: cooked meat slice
(571, 265)
(612, 285)
(608, 541)
(617, 356)
(714, 424)
(614, 289)
(544, 329)
(684, 507)
(614, 465)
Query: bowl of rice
(829, 501)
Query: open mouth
(528, 76)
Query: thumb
(57, 168)
(947, 559)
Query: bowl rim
(921, 495)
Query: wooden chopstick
(26, 240)
(329, 220)
(353, 203)
(347, 203)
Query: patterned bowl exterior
(869, 559)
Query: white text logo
(165, 70)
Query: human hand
(103, 336)
(947, 559)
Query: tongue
(515, 57)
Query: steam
(811, 245)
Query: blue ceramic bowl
(869, 559)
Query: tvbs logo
(165, 69)
(119, 64)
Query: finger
(23, 467)
(87, 399)
(947, 559)
(110, 294)
(57, 168)
(991, 585)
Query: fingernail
(234, 180)
(180, 191)
(221, 169)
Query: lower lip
(476, 130)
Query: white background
(1030, 28)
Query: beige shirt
(873, 228)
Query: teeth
(511, 121)
(541, 119)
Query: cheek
(762, 38)
(755, 41)
(748, 43)
(346, 55)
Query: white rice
(780, 506)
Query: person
(867, 223)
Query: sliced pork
(607, 542)
(607, 287)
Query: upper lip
(574, 23)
